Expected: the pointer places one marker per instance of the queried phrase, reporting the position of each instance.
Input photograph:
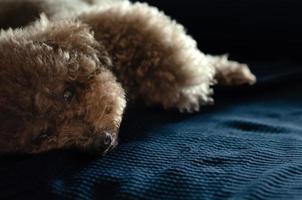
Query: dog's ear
(10, 127)
(67, 34)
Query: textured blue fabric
(247, 146)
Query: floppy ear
(10, 127)
(69, 35)
(66, 34)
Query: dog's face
(56, 99)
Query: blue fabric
(247, 146)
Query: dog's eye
(43, 136)
(68, 94)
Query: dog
(65, 79)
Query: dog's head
(56, 91)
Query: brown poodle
(64, 79)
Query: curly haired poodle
(65, 79)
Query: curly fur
(102, 53)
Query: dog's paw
(194, 97)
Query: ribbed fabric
(247, 146)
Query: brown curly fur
(63, 81)
(52, 58)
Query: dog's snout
(102, 142)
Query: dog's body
(64, 81)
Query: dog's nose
(102, 142)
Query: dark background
(247, 146)
(247, 29)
